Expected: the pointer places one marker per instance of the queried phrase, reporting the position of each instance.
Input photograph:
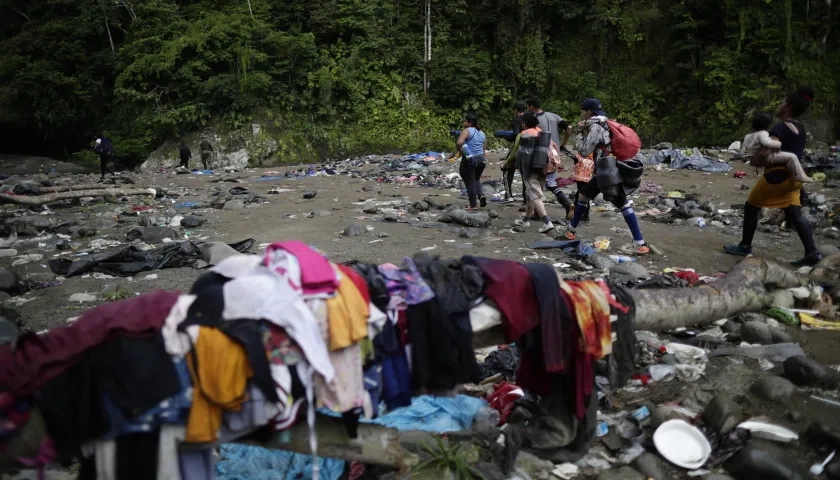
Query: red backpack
(624, 141)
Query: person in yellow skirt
(777, 188)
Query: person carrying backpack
(553, 124)
(103, 147)
(618, 171)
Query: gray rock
(110, 289)
(214, 252)
(431, 202)
(717, 476)
(9, 332)
(722, 414)
(831, 233)
(310, 194)
(4, 296)
(9, 281)
(384, 235)
(708, 207)
(234, 205)
(85, 232)
(697, 213)
(147, 221)
(818, 199)
(804, 371)
(193, 221)
(469, 233)
(663, 413)
(467, 219)
(756, 332)
(621, 473)
(773, 388)
(7, 252)
(630, 269)
(493, 214)
(828, 250)
(731, 327)
(354, 230)
(600, 262)
(41, 277)
(370, 207)
(651, 466)
(391, 217)
(783, 299)
(780, 336)
(421, 206)
(30, 226)
(518, 229)
(678, 222)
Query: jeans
(470, 171)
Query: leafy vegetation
(338, 77)
(447, 460)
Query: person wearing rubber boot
(613, 178)
(508, 171)
(531, 157)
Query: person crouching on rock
(472, 143)
(531, 158)
(615, 179)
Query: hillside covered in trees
(338, 77)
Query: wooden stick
(34, 201)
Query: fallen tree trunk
(34, 201)
(70, 188)
(747, 287)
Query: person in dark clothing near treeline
(103, 147)
(186, 155)
(519, 108)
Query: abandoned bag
(539, 159)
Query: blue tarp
(188, 205)
(420, 156)
(689, 158)
(245, 462)
(427, 413)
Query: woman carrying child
(778, 187)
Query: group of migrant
(146, 387)
(607, 161)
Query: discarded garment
(561, 244)
(286, 258)
(269, 297)
(407, 281)
(36, 359)
(689, 158)
(219, 369)
(509, 285)
(348, 315)
(346, 390)
(504, 398)
(245, 462)
(135, 374)
(592, 310)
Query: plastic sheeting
(688, 158)
(131, 260)
(245, 462)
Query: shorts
(551, 179)
(534, 186)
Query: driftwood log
(70, 188)
(37, 200)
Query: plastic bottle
(701, 223)
(622, 259)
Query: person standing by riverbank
(473, 144)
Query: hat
(591, 104)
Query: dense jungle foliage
(337, 77)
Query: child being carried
(759, 139)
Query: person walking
(473, 144)
(595, 137)
(186, 155)
(519, 109)
(206, 152)
(777, 187)
(533, 174)
(105, 149)
(553, 124)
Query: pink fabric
(317, 275)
